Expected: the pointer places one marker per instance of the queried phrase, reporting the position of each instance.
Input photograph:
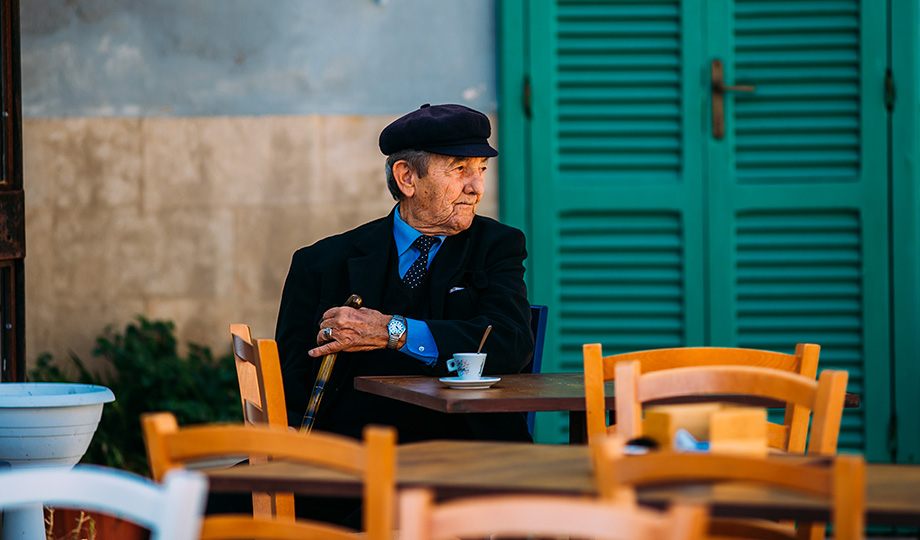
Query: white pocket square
(455, 289)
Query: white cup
(467, 365)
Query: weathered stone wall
(191, 219)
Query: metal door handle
(722, 87)
(717, 76)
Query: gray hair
(418, 161)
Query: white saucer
(474, 384)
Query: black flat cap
(450, 130)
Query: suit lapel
(367, 270)
(445, 269)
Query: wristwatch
(396, 328)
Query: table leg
(578, 427)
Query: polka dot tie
(417, 271)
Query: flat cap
(450, 130)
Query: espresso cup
(467, 365)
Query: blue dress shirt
(419, 341)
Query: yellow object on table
(729, 429)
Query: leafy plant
(146, 373)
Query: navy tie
(417, 271)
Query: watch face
(396, 326)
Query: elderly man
(432, 275)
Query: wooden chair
(171, 511)
(791, 436)
(542, 516)
(258, 370)
(841, 479)
(823, 398)
(170, 447)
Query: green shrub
(146, 373)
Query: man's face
(445, 200)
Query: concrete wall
(176, 154)
(254, 57)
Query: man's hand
(352, 330)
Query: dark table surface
(461, 468)
(523, 392)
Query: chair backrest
(258, 370)
(791, 436)
(824, 398)
(839, 479)
(542, 516)
(171, 511)
(538, 316)
(374, 459)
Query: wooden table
(523, 392)
(461, 468)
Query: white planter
(45, 425)
(48, 424)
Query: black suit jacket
(476, 279)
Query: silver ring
(327, 333)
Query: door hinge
(889, 90)
(525, 97)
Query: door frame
(12, 202)
(904, 30)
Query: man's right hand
(352, 330)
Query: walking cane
(325, 369)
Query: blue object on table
(685, 442)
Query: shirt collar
(404, 234)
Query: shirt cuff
(419, 342)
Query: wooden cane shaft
(325, 370)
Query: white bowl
(48, 424)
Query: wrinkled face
(445, 200)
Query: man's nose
(475, 182)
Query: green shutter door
(645, 231)
(798, 192)
(617, 171)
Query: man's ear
(405, 177)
